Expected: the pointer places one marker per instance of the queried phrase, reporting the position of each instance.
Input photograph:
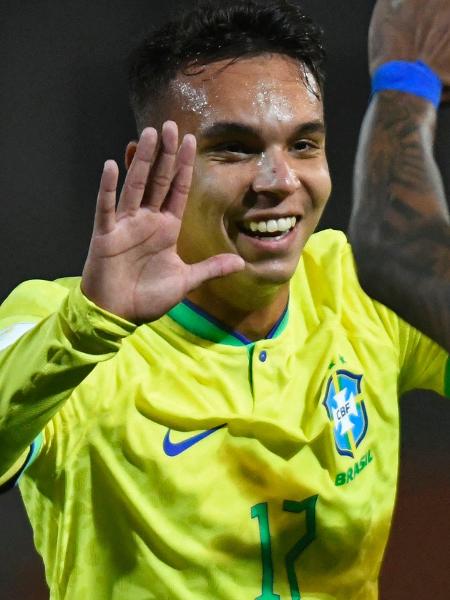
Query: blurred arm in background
(400, 227)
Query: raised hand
(133, 269)
(412, 30)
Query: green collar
(198, 322)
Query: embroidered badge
(346, 409)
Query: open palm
(133, 269)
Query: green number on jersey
(260, 511)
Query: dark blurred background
(63, 111)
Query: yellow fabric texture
(267, 506)
(15, 468)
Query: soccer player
(400, 228)
(210, 411)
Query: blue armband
(411, 77)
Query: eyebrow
(230, 128)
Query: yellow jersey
(179, 461)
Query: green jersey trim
(201, 324)
(447, 379)
(35, 449)
(33, 453)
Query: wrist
(91, 327)
(410, 77)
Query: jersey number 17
(261, 512)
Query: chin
(273, 273)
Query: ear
(129, 153)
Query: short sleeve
(424, 364)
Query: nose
(275, 175)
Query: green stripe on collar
(200, 326)
(198, 322)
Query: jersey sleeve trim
(33, 453)
(447, 379)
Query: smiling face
(261, 178)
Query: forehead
(263, 88)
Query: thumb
(216, 266)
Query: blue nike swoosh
(175, 448)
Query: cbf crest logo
(346, 410)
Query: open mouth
(271, 228)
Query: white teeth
(262, 226)
(272, 225)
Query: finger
(181, 184)
(216, 266)
(161, 174)
(105, 212)
(136, 179)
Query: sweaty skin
(255, 163)
(400, 227)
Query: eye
(233, 148)
(231, 151)
(303, 146)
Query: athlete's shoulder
(327, 276)
(330, 253)
(326, 244)
(36, 298)
(326, 270)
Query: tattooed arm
(400, 227)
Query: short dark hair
(218, 30)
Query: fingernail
(147, 129)
(168, 124)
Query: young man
(212, 408)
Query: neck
(254, 322)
